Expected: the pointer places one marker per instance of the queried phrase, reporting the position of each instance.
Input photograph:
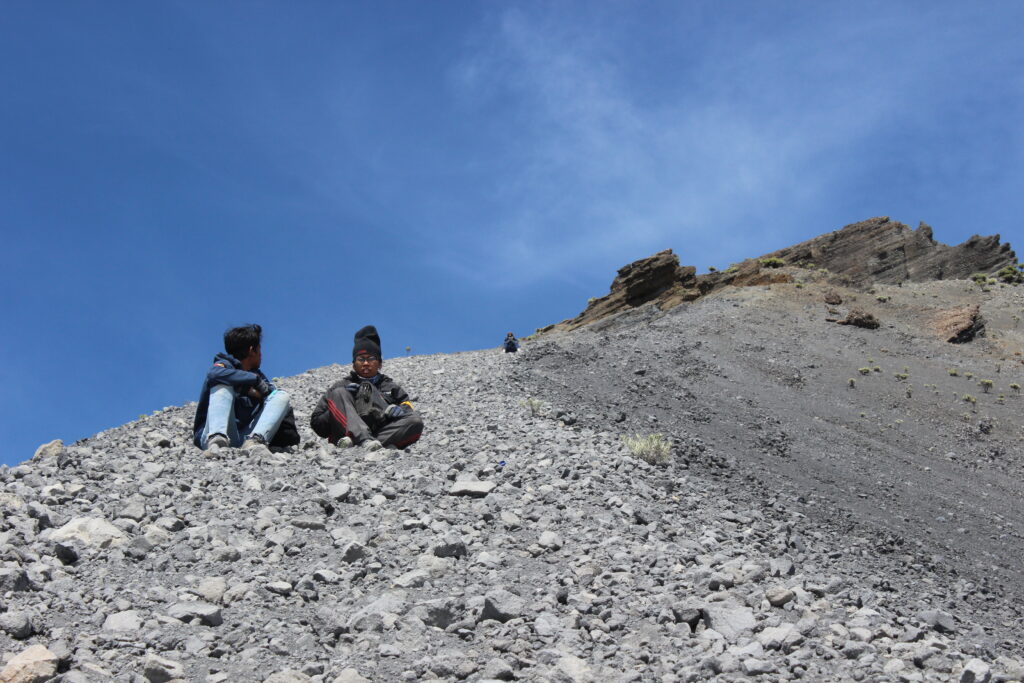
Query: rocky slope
(506, 545)
(875, 251)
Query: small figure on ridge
(511, 344)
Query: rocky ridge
(874, 251)
(512, 543)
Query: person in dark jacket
(511, 344)
(238, 401)
(367, 408)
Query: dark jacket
(387, 390)
(227, 369)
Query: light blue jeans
(220, 416)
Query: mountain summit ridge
(874, 251)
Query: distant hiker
(511, 344)
(367, 408)
(238, 401)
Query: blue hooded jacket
(227, 369)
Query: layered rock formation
(657, 278)
(879, 250)
(875, 251)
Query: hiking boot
(256, 445)
(345, 442)
(372, 445)
(218, 440)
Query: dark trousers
(345, 421)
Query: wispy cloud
(763, 122)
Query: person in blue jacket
(238, 401)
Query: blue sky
(447, 171)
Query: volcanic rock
(961, 324)
(859, 318)
(658, 278)
(879, 250)
(33, 665)
(875, 251)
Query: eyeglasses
(365, 359)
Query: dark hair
(238, 340)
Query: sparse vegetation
(877, 368)
(986, 385)
(901, 376)
(953, 372)
(864, 371)
(1015, 387)
(534, 405)
(969, 399)
(773, 262)
(882, 299)
(980, 278)
(653, 448)
(968, 375)
(851, 382)
(1010, 275)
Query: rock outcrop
(875, 251)
(859, 318)
(960, 324)
(658, 279)
(882, 251)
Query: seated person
(238, 401)
(511, 344)
(367, 408)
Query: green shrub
(1015, 387)
(773, 262)
(986, 385)
(953, 372)
(970, 399)
(653, 448)
(1010, 275)
(864, 371)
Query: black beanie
(367, 343)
